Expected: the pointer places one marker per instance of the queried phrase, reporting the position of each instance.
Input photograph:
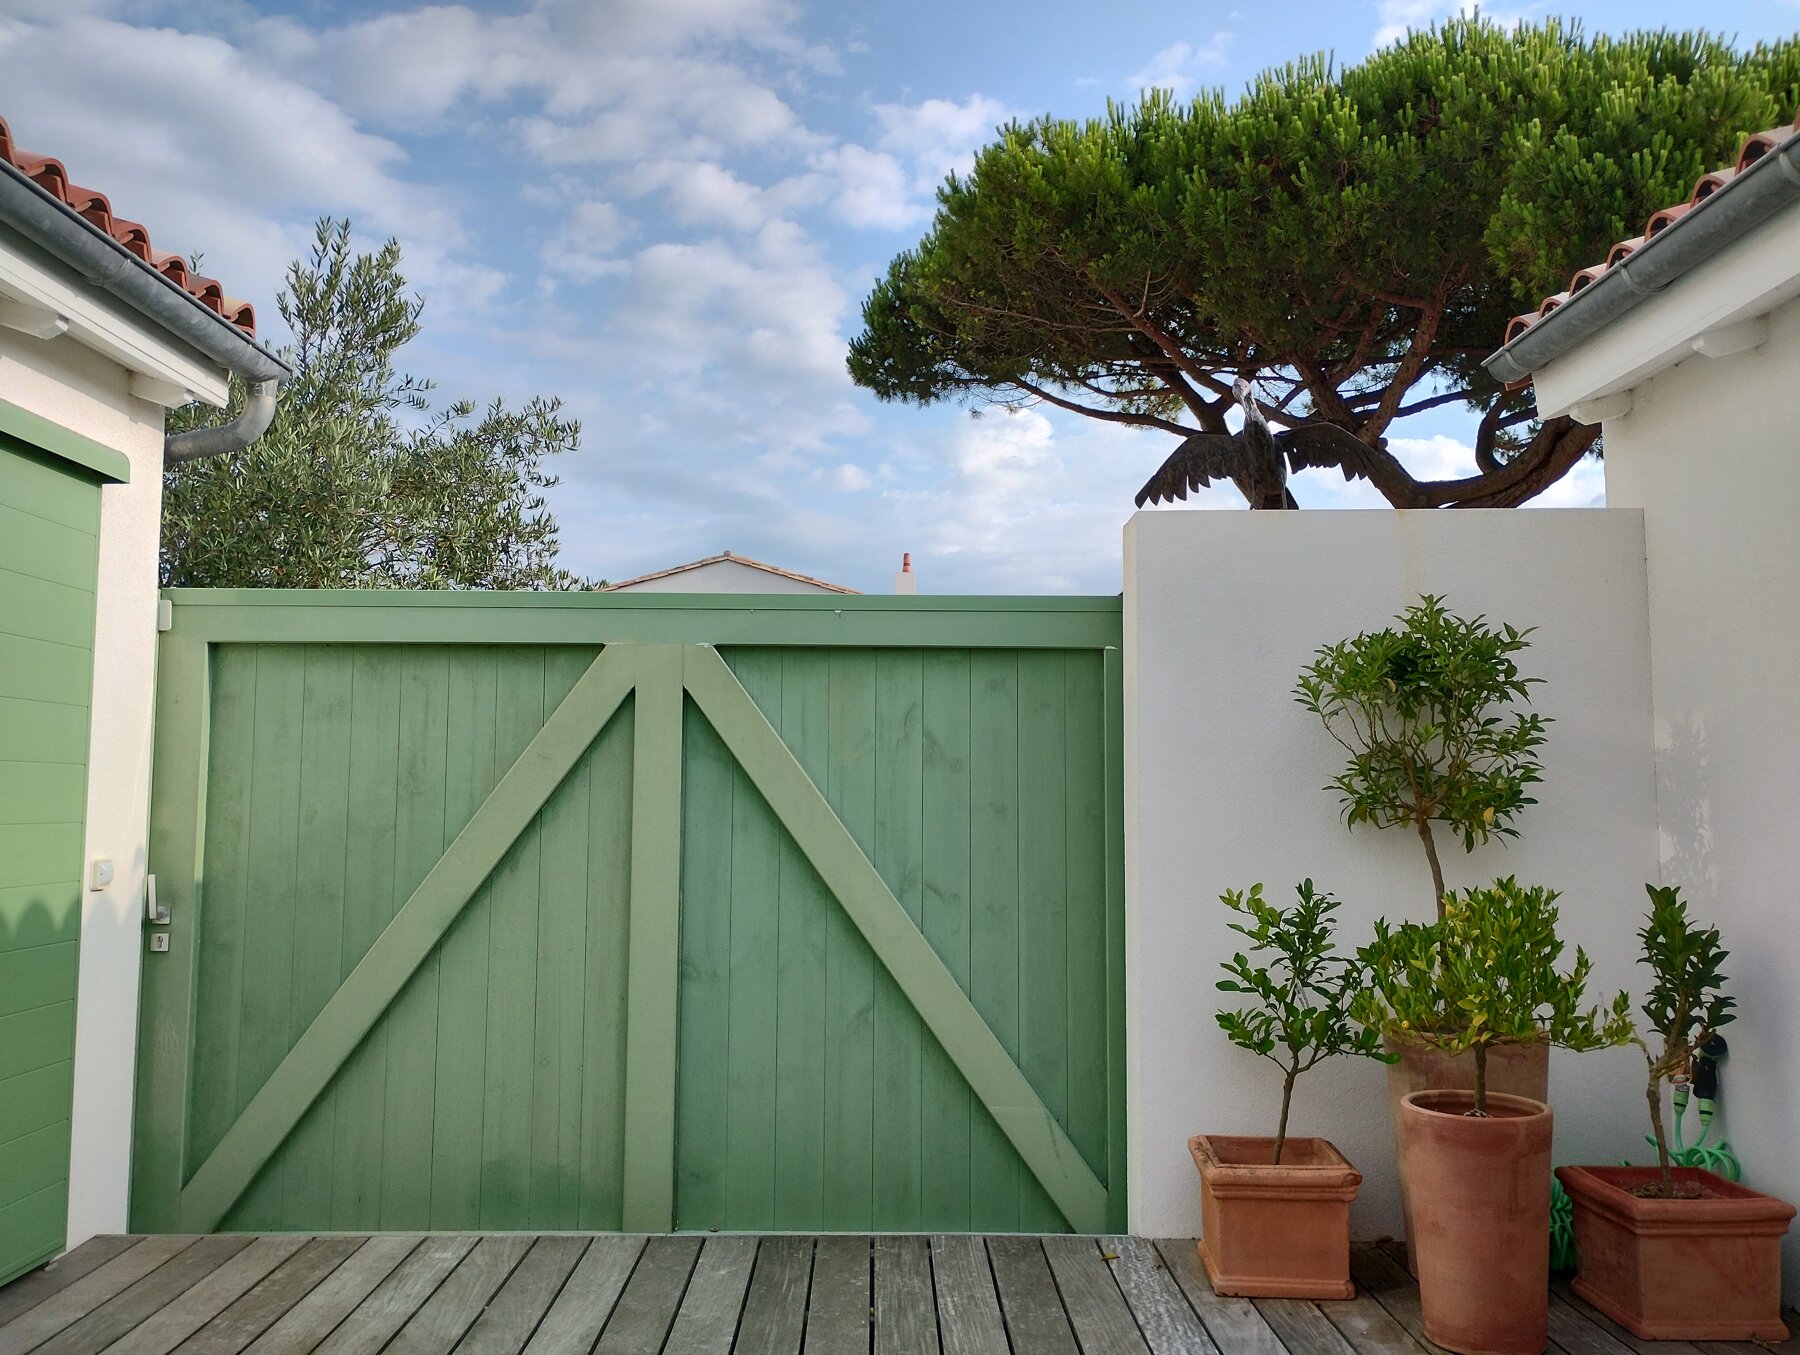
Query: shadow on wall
(1684, 769)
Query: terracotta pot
(1515, 1069)
(1270, 1231)
(1481, 1215)
(1679, 1270)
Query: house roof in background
(726, 557)
(50, 175)
(1677, 220)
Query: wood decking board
(722, 1294)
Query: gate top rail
(396, 616)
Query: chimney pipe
(906, 582)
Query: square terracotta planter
(1275, 1231)
(1679, 1270)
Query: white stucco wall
(1711, 453)
(1223, 774)
(88, 394)
(724, 576)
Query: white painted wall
(88, 394)
(1222, 782)
(724, 576)
(1710, 452)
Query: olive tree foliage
(1352, 240)
(359, 482)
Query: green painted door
(49, 551)
(640, 935)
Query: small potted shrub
(1429, 712)
(1668, 1252)
(1276, 1211)
(1478, 1159)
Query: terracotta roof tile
(49, 174)
(1754, 148)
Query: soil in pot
(1515, 1069)
(1275, 1231)
(1704, 1266)
(1481, 1220)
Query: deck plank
(525, 1298)
(642, 1317)
(1034, 1310)
(574, 1321)
(33, 1287)
(838, 1311)
(905, 1309)
(265, 1302)
(392, 1303)
(1164, 1316)
(707, 1321)
(1301, 1327)
(169, 1326)
(968, 1306)
(1369, 1328)
(1576, 1334)
(439, 1324)
(1097, 1310)
(775, 1308)
(124, 1311)
(1636, 1343)
(303, 1326)
(1233, 1323)
(75, 1301)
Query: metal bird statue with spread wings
(1256, 459)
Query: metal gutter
(104, 263)
(1764, 189)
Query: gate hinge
(165, 614)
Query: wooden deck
(500, 1294)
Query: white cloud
(1399, 17)
(850, 478)
(891, 185)
(1182, 66)
(585, 246)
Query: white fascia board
(92, 323)
(1748, 279)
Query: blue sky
(668, 213)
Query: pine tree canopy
(1350, 239)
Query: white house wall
(1711, 453)
(88, 394)
(1223, 782)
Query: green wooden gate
(581, 912)
(49, 554)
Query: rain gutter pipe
(1735, 210)
(107, 265)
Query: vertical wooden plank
(358, 1093)
(655, 955)
(751, 1030)
(1233, 1323)
(267, 976)
(708, 791)
(994, 914)
(300, 1329)
(1034, 1311)
(440, 1322)
(1168, 1323)
(849, 966)
(775, 1309)
(524, 1300)
(411, 1022)
(641, 1320)
(177, 837)
(946, 1109)
(318, 935)
(605, 987)
(805, 908)
(378, 1317)
(1043, 896)
(587, 1300)
(837, 1317)
(555, 1201)
(899, 858)
(513, 899)
(250, 1316)
(460, 1089)
(905, 1308)
(708, 1318)
(1096, 1308)
(968, 1308)
(1113, 693)
(1084, 866)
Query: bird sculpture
(1256, 459)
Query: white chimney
(906, 581)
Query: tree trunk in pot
(1481, 1211)
(1513, 1069)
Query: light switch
(101, 874)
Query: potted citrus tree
(1483, 975)
(1275, 1211)
(1430, 712)
(1668, 1252)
